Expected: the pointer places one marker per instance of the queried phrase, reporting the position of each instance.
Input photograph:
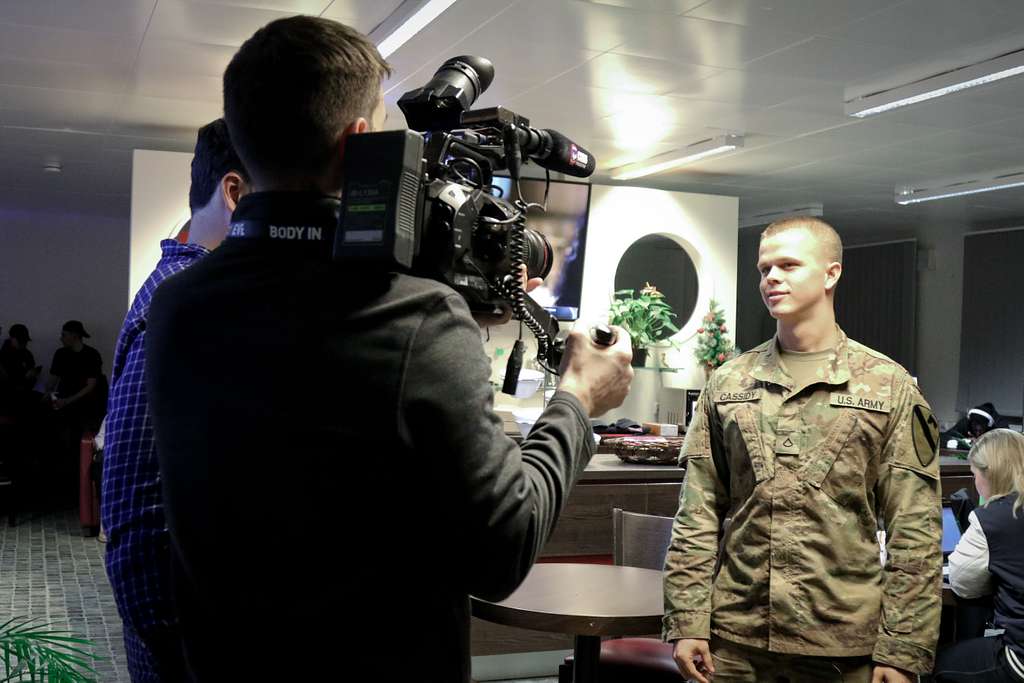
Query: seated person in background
(978, 420)
(989, 559)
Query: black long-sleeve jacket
(336, 482)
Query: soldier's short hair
(824, 233)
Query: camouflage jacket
(805, 474)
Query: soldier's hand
(693, 657)
(599, 376)
(888, 674)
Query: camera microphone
(551, 150)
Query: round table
(586, 600)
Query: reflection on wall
(160, 184)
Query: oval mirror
(662, 262)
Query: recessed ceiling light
(926, 192)
(409, 19)
(680, 157)
(945, 83)
(52, 167)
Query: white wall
(57, 266)
(160, 184)
(705, 225)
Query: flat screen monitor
(565, 226)
(950, 530)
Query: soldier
(801, 449)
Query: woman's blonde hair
(999, 455)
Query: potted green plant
(647, 317)
(30, 652)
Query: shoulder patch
(926, 434)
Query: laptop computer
(951, 532)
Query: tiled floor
(48, 570)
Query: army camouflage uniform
(805, 474)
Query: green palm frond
(31, 652)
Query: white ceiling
(86, 81)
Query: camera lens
(454, 87)
(539, 254)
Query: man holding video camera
(330, 458)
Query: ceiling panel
(831, 59)
(952, 112)
(82, 81)
(696, 41)
(59, 45)
(746, 89)
(630, 74)
(1005, 93)
(172, 83)
(363, 15)
(64, 75)
(1011, 128)
(164, 55)
(288, 6)
(804, 16)
(937, 26)
(103, 16)
(208, 23)
(663, 6)
(57, 109)
(984, 163)
(42, 145)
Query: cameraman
(330, 458)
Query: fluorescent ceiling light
(409, 19)
(771, 215)
(960, 188)
(955, 80)
(674, 159)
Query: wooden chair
(638, 540)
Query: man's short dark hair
(292, 87)
(214, 157)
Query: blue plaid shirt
(138, 550)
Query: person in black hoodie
(989, 559)
(976, 422)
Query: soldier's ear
(833, 272)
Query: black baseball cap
(19, 332)
(75, 327)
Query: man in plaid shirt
(132, 508)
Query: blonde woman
(989, 559)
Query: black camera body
(425, 204)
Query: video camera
(425, 203)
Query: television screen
(565, 226)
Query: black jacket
(335, 479)
(1004, 531)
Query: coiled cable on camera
(512, 286)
